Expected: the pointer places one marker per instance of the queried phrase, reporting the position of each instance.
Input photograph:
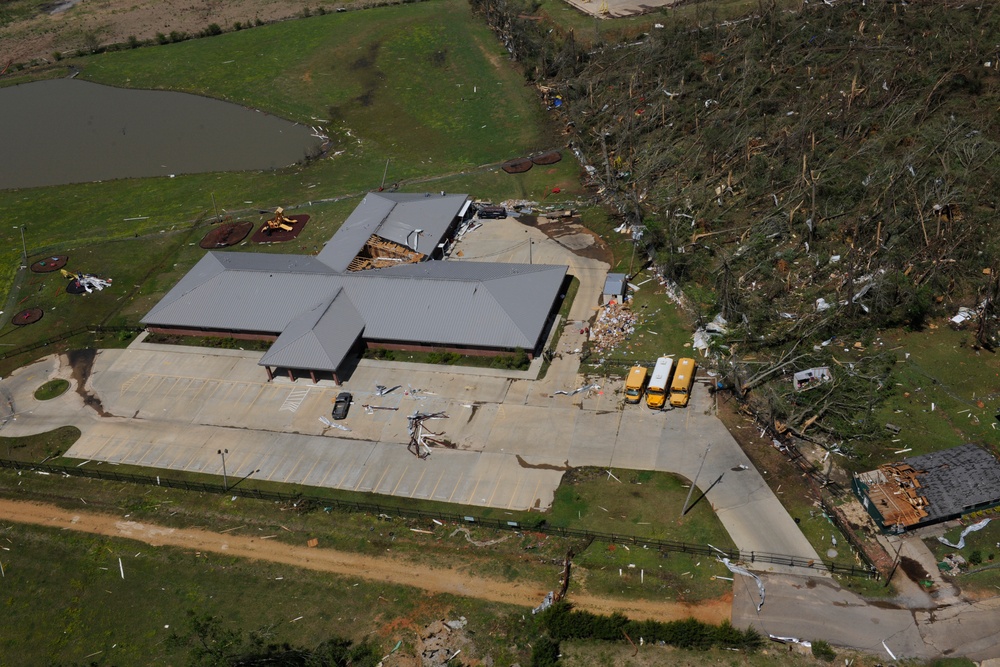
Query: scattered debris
(441, 641)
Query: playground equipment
(279, 221)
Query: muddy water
(71, 131)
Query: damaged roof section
(418, 222)
(930, 488)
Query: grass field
(944, 393)
(92, 613)
(437, 99)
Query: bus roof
(661, 372)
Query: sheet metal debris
(546, 603)
(586, 387)
(961, 538)
(736, 569)
(330, 424)
(790, 640)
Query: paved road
(812, 608)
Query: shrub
(545, 653)
(213, 29)
(823, 651)
(161, 38)
(976, 557)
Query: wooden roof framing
(379, 253)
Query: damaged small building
(378, 282)
(931, 488)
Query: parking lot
(510, 437)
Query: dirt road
(363, 566)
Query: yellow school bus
(635, 383)
(656, 393)
(680, 388)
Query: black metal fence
(540, 526)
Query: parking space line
(398, 481)
(293, 468)
(520, 481)
(417, 485)
(306, 476)
(489, 503)
(436, 485)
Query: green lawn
(942, 393)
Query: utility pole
(693, 483)
(225, 479)
(215, 206)
(384, 173)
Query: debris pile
(421, 437)
(615, 323)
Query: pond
(71, 131)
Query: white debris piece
(961, 539)
(546, 603)
(964, 315)
(811, 377)
(736, 569)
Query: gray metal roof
(457, 303)
(319, 311)
(957, 480)
(318, 339)
(395, 217)
(615, 284)
(211, 296)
